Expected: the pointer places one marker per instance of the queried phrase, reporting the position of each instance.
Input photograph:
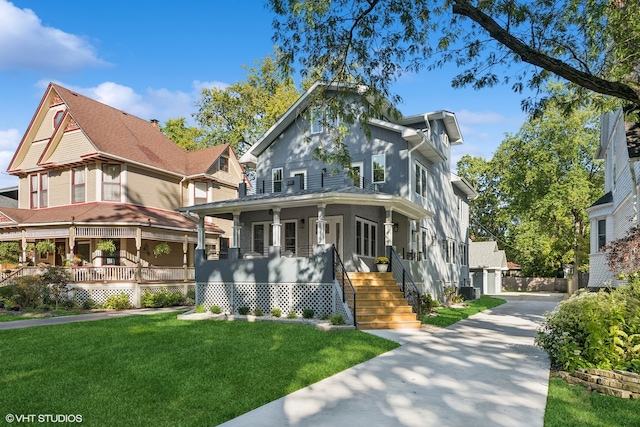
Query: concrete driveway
(483, 371)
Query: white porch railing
(113, 274)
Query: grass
(575, 406)
(157, 370)
(448, 316)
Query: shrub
(118, 302)
(244, 310)
(57, 280)
(308, 313)
(200, 308)
(428, 304)
(337, 319)
(292, 315)
(276, 312)
(450, 294)
(29, 291)
(89, 304)
(164, 298)
(215, 309)
(594, 330)
(258, 312)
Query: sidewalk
(482, 371)
(42, 321)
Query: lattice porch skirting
(322, 298)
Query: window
(464, 254)
(602, 233)
(57, 119)
(316, 121)
(303, 177)
(111, 183)
(366, 237)
(223, 162)
(276, 180)
(358, 180)
(424, 243)
(200, 193)
(39, 189)
(262, 237)
(77, 185)
(290, 236)
(378, 166)
(421, 180)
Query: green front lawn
(575, 406)
(157, 370)
(448, 316)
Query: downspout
(423, 140)
(634, 189)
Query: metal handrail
(404, 279)
(348, 291)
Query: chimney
(155, 123)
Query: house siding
(45, 131)
(72, 145)
(619, 213)
(151, 189)
(59, 188)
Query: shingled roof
(120, 135)
(96, 213)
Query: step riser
(388, 325)
(386, 318)
(383, 310)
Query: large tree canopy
(241, 113)
(591, 44)
(537, 186)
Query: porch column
(321, 224)
(24, 246)
(388, 227)
(276, 227)
(138, 244)
(201, 236)
(235, 240)
(72, 242)
(185, 248)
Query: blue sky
(152, 58)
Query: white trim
(384, 168)
(302, 172)
(273, 181)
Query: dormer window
(57, 119)
(223, 162)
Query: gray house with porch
(307, 237)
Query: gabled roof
(119, 136)
(100, 213)
(607, 198)
(486, 255)
(402, 126)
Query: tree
(592, 45)
(623, 254)
(244, 111)
(9, 252)
(542, 179)
(188, 137)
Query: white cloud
(160, 104)
(27, 44)
(9, 140)
(198, 85)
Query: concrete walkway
(483, 371)
(43, 321)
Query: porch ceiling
(342, 197)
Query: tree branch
(533, 57)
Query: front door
(332, 232)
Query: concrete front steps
(380, 303)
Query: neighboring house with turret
(90, 174)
